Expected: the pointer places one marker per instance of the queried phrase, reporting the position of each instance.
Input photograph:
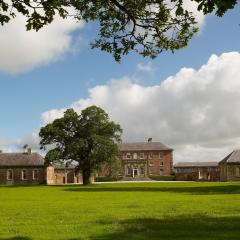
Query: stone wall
(17, 175)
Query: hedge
(163, 178)
(107, 179)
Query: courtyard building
(230, 167)
(63, 174)
(22, 168)
(143, 159)
(197, 171)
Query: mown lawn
(120, 211)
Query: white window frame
(161, 155)
(24, 179)
(128, 155)
(151, 155)
(141, 155)
(237, 171)
(9, 179)
(33, 174)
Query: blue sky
(57, 84)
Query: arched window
(9, 174)
(24, 174)
(35, 174)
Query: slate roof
(195, 164)
(233, 157)
(143, 146)
(21, 159)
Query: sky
(189, 100)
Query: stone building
(142, 159)
(22, 168)
(63, 174)
(197, 171)
(230, 167)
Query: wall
(17, 175)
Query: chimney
(149, 139)
(29, 150)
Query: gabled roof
(195, 164)
(143, 146)
(233, 157)
(21, 159)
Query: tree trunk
(86, 174)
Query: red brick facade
(146, 163)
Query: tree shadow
(194, 190)
(180, 228)
(16, 238)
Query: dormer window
(9, 174)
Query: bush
(163, 178)
(107, 178)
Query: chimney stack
(149, 139)
(29, 150)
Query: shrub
(107, 178)
(163, 178)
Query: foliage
(147, 27)
(135, 211)
(162, 178)
(89, 138)
(107, 178)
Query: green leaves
(146, 27)
(89, 138)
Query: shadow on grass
(180, 228)
(16, 238)
(196, 190)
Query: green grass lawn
(120, 211)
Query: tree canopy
(89, 138)
(145, 26)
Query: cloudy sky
(189, 100)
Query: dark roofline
(143, 146)
(195, 164)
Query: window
(151, 163)
(9, 174)
(151, 170)
(161, 163)
(161, 155)
(129, 171)
(35, 174)
(24, 174)
(238, 171)
(141, 170)
(161, 172)
(141, 155)
(135, 156)
(129, 156)
(150, 155)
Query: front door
(135, 172)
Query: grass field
(120, 211)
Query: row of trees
(90, 138)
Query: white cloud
(196, 111)
(23, 50)
(146, 67)
(192, 6)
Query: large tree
(89, 138)
(146, 26)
